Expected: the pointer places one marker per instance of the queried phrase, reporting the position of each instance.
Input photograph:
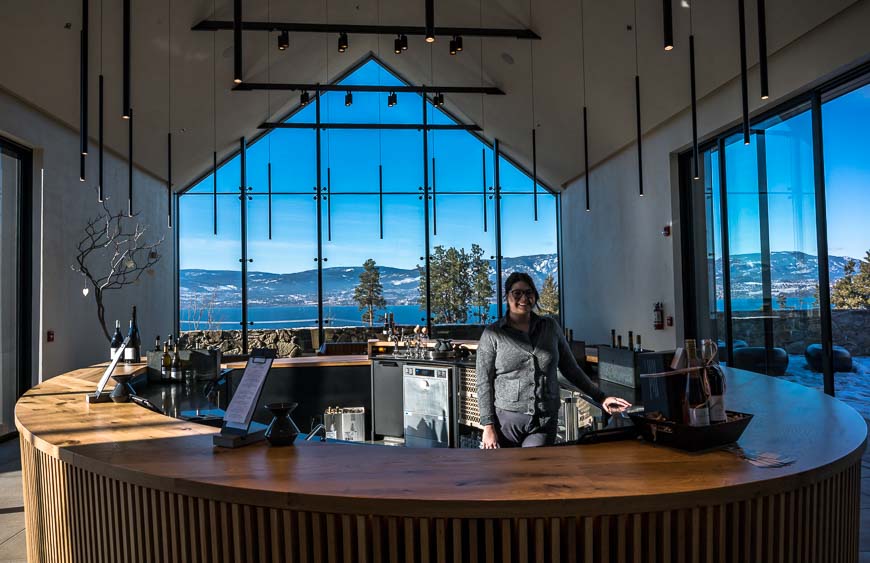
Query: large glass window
(758, 287)
(365, 254)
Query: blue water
(752, 304)
(306, 316)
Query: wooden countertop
(312, 361)
(130, 443)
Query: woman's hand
(612, 405)
(490, 439)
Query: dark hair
(520, 277)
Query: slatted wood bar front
(114, 482)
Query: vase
(282, 431)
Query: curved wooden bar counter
(115, 482)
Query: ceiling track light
(668, 24)
(348, 99)
(304, 98)
(342, 42)
(397, 45)
(458, 40)
(404, 39)
(453, 49)
(283, 40)
(438, 99)
(430, 21)
(392, 99)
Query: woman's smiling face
(521, 298)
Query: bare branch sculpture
(113, 253)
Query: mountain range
(401, 286)
(794, 274)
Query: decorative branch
(114, 253)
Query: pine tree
(852, 291)
(481, 284)
(450, 285)
(369, 293)
(549, 303)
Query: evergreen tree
(450, 284)
(369, 293)
(481, 284)
(852, 291)
(549, 303)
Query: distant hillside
(794, 274)
(267, 289)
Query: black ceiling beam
(489, 90)
(412, 126)
(220, 25)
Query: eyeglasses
(517, 294)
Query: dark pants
(524, 430)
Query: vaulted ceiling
(39, 62)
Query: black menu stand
(238, 428)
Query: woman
(517, 386)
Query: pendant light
(214, 124)
(169, 117)
(482, 122)
(268, 118)
(534, 124)
(637, 108)
(130, 162)
(283, 40)
(83, 84)
(342, 42)
(430, 21)
(100, 112)
(696, 171)
(744, 88)
(668, 24)
(762, 49)
(125, 102)
(585, 117)
(237, 41)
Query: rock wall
(795, 330)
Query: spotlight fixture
(283, 40)
(458, 40)
(404, 40)
(392, 99)
(237, 41)
(304, 98)
(342, 42)
(438, 99)
(453, 46)
(348, 99)
(397, 45)
(430, 21)
(668, 24)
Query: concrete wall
(616, 264)
(61, 205)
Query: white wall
(616, 264)
(61, 205)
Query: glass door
(14, 378)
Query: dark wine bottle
(132, 353)
(175, 368)
(166, 363)
(638, 347)
(117, 339)
(157, 343)
(619, 341)
(716, 379)
(630, 340)
(613, 338)
(697, 389)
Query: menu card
(241, 408)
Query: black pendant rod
(695, 153)
(83, 97)
(169, 179)
(393, 126)
(639, 136)
(214, 188)
(496, 153)
(243, 197)
(328, 203)
(302, 87)
(744, 88)
(762, 49)
(130, 162)
(126, 110)
(483, 168)
(425, 198)
(430, 21)
(381, 200)
(586, 157)
(100, 134)
(434, 200)
(535, 171)
(391, 30)
(237, 41)
(319, 208)
(269, 196)
(668, 24)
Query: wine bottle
(716, 379)
(132, 352)
(630, 340)
(175, 367)
(166, 363)
(638, 347)
(619, 341)
(697, 391)
(157, 343)
(117, 339)
(613, 338)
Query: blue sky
(351, 159)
